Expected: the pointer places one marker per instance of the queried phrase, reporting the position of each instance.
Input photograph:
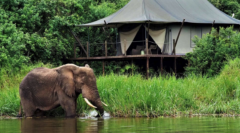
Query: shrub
(213, 50)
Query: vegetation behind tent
(37, 30)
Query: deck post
(103, 67)
(105, 48)
(125, 45)
(147, 67)
(162, 65)
(146, 46)
(87, 49)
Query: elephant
(43, 89)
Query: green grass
(131, 96)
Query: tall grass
(132, 96)
(135, 96)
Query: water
(121, 125)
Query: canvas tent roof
(167, 11)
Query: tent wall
(185, 43)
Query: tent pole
(147, 40)
(116, 36)
(105, 26)
(178, 35)
(78, 41)
(145, 37)
(145, 31)
(105, 48)
(147, 46)
(212, 27)
(148, 31)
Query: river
(126, 125)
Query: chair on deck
(138, 50)
(153, 49)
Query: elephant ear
(66, 81)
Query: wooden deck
(147, 55)
(125, 57)
(131, 57)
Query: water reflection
(49, 125)
(74, 125)
(90, 125)
(119, 125)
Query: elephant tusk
(104, 103)
(86, 100)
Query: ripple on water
(94, 113)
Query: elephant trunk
(97, 105)
(92, 98)
(99, 108)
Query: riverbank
(133, 96)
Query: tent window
(195, 31)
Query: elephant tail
(20, 110)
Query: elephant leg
(69, 107)
(28, 107)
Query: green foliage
(135, 96)
(38, 30)
(212, 50)
(12, 46)
(228, 6)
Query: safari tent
(158, 29)
(166, 24)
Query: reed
(133, 96)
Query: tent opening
(134, 35)
(139, 44)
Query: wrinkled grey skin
(44, 89)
